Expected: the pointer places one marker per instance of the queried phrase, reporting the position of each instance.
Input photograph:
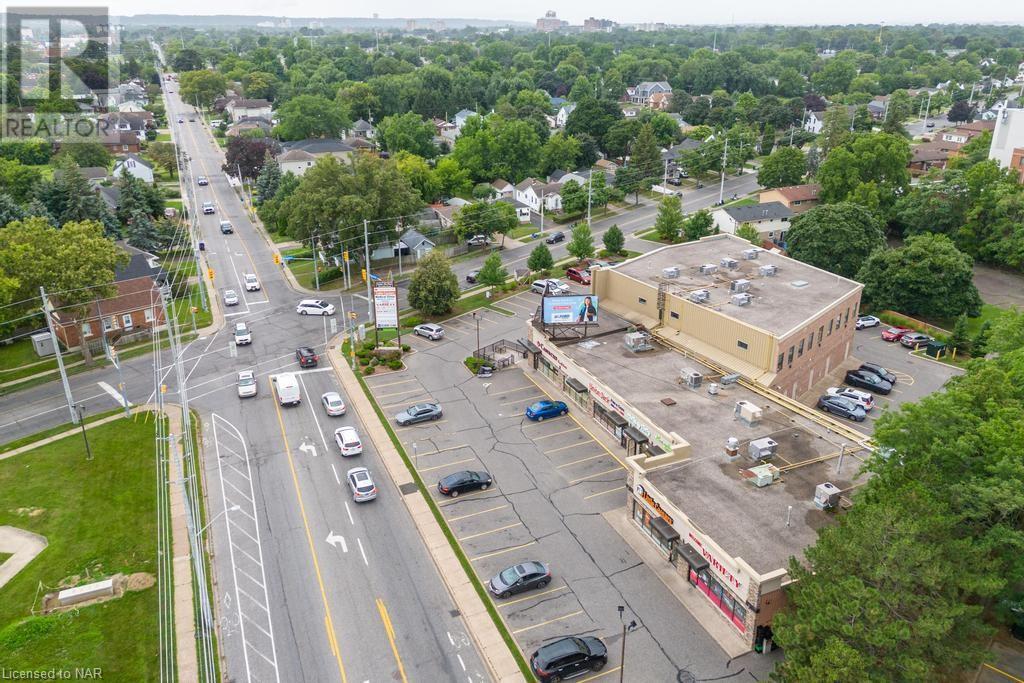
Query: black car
(519, 578)
(464, 482)
(876, 369)
(843, 407)
(555, 237)
(471, 276)
(868, 380)
(307, 357)
(568, 658)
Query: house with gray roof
(362, 129)
(300, 155)
(643, 92)
(770, 219)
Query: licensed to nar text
(92, 673)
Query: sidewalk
(480, 626)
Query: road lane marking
(601, 493)
(502, 552)
(115, 394)
(545, 623)
(362, 552)
(391, 384)
(532, 596)
(390, 630)
(441, 467)
(576, 462)
(474, 514)
(351, 520)
(596, 474)
(316, 420)
(461, 663)
(337, 479)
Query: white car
(242, 334)
(864, 321)
(314, 307)
(208, 207)
(201, 180)
(247, 384)
(348, 441)
(230, 297)
(361, 483)
(333, 403)
(252, 283)
(554, 287)
(429, 330)
(861, 398)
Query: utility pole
(542, 209)
(625, 629)
(316, 264)
(111, 353)
(369, 292)
(47, 313)
(721, 187)
(590, 193)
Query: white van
(287, 389)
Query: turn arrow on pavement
(336, 540)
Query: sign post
(385, 307)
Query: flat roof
(746, 521)
(778, 306)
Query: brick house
(796, 198)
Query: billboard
(385, 305)
(576, 309)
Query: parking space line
(402, 403)
(444, 450)
(474, 514)
(399, 393)
(548, 436)
(572, 445)
(512, 391)
(492, 531)
(512, 403)
(598, 474)
(602, 493)
(391, 384)
(532, 596)
(576, 462)
(603, 673)
(453, 501)
(503, 551)
(421, 424)
(440, 467)
(545, 623)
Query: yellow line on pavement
(596, 474)
(391, 637)
(531, 597)
(601, 493)
(1003, 673)
(474, 514)
(492, 531)
(548, 436)
(565, 448)
(545, 623)
(328, 621)
(577, 462)
(502, 552)
(603, 673)
(450, 464)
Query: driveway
(999, 287)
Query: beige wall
(776, 196)
(720, 331)
(624, 294)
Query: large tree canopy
(835, 237)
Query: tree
(201, 86)
(187, 59)
(959, 339)
(419, 174)
(561, 151)
(836, 75)
(863, 122)
(310, 116)
(452, 179)
(407, 132)
(484, 218)
(783, 167)
(10, 210)
(749, 233)
(581, 242)
(897, 111)
(835, 237)
(574, 197)
(979, 345)
(669, 222)
(927, 276)
(628, 179)
(879, 158)
(69, 197)
(86, 154)
(614, 240)
(698, 225)
(269, 179)
(645, 154)
(592, 117)
(767, 139)
(961, 112)
(540, 259)
(165, 154)
(835, 129)
(492, 272)
(19, 181)
(248, 155)
(434, 289)
(260, 85)
(517, 147)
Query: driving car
(864, 321)
(247, 384)
(519, 578)
(201, 180)
(555, 237)
(242, 334)
(307, 357)
(568, 657)
(208, 208)
(464, 482)
(877, 369)
(894, 334)
(361, 483)
(541, 410)
(225, 227)
(930, 124)
(553, 287)
(314, 307)
(471, 276)
(478, 241)
(181, 120)
(429, 330)
(861, 398)
(230, 297)
(421, 412)
(191, 119)
(252, 283)
(867, 380)
(914, 339)
(837, 405)
(580, 275)
(348, 441)
(333, 404)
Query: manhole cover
(406, 489)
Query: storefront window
(729, 605)
(609, 419)
(548, 370)
(578, 393)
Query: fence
(502, 353)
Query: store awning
(530, 346)
(615, 418)
(692, 557)
(635, 435)
(666, 530)
(576, 385)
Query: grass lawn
(176, 204)
(3, 557)
(279, 238)
(99, 517)
(20, 360)
(522, 231)
(183, 309)
(163, 137)
(38, 436)
(745, 201)
(988, 314)
(303, 270)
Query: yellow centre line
(503, 551)
(474, 514)
(532, 596)
(545, 623)
(391, 637)
(328, 621)
(450, 464)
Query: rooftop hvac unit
(748, 412)
(762, 475)
(690, 377)
(750, 254)
(739, 285)
(708, 269)
(826, 496)
(730, 263)
(732, 448)
(762, 449)
(700, 296)
(768, 270)
(670, 273)
(742, 299)
(638, 341)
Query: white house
(363, 129)
(814, 121)
(532, 193)
(240, 108)
(562, 177)
(462, 117)
(134, 166)
(295, 161)
(563, 114)
(771, 219)
(503, 188)
(301, 155)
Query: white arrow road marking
(121, 401)
(335, 540)
(308, 447)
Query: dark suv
(555, 237)
(868, 380)
(306, 356)
(568, 658)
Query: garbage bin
(935, 349)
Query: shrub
(406, 348)
(411, 321)
(474, 363)
(330, 274)
(369, 370)
(395, 364)
(369, 345)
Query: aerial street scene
(493, 344)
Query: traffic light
(209, 273)
(344, 255)
(277, 259)
(364, 274)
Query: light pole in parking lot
(625, 629)
(477, 321)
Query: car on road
(333, 404)
(348, 441)
(307, 357)
(867, 380)
(181, 120)
(541, 410)
(861, 398)
(421, 412)
(580, 275)
(843, 407)
(519, 578)
(554, 287)
(230, 297)
(864, 321)
(208, 208)
(191, 119)
(314, 307)
(478, 241)
(568, 657)
(201, 180)
(914, 339)
(429, 330)
(471, 276)
(287, 389)
(242, 334)
(555, 237)
(361, 483)
(877, 369)
(252, 283)
(247, 384)
(930, 124)
(894, 334)
(464, 482)
(225, 227)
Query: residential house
(770, 219)
(562, 177)
(446, 212)
(299, 156)
(120, 142)
(660, 100)
(248, 124)
(135, 166)
(295, 161)
(241, 108)
(462, 117)
(537, 195)
(672, 154)
(522, 210)
(503, 188)
(562, 116)
(684, 127)
(931, 155)
(814, 121)
(1008, 140)
(606, 165)
(557, 102)
(111, 196)
(796, 198)
(362, 129)
(878, 106)
(131, 107)
(94, 174)
(359, 144)
(446, 131)
(642, 93)
(411, 243)
(133, 122)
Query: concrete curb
(493, 650)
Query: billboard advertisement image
(570, 310)
(385, 305)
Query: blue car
(545, 409)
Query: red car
(580, 275)
(894, 334)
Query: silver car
(421, 412)
(242, 334)
(247, 384)
(333, 404)
(429, 330)
(361, 483)
(230, 297)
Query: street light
(625, 629)
(477, 321)
(80, 408)
(233, 508)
